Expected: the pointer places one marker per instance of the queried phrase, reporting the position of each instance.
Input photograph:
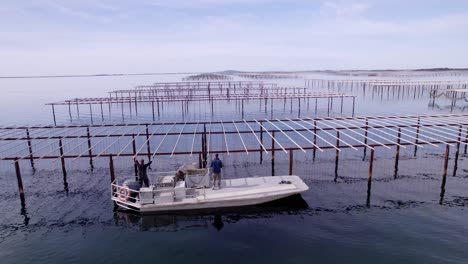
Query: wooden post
(148, 143)
(90, 153)
(31, 158)
(69, 111)
(466, 140)
(20, 181)
(53, 113)
(365, 139)
(444, 175)
(111, 167)
(291, 157)
(91, 112)
(417, 136)
(447, 152)
(337, 154)
(315, 140)
(371, 164)
(457, 152)
(261, 143)
(134, 154)
(102, 113)
(397, 155)
(273, 154)
(64, 171)
(152, 108)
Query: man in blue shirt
(216, 165)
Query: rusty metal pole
(90, 153)
(20, 181)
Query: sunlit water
(408, 218)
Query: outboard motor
(134, 186)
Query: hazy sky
(91, 36)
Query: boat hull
(234, 193)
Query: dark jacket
(142, 169)
(216, 165)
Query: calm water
(408, 219)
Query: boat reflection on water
(212, 218)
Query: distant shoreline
(226, 72)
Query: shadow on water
(217, 218)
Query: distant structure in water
(207, 77)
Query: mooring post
(64, 171)
(102, 113)
(90, 153)
(417, 137)
(457, 151)
(20, 181)
(397, 155)
(111, 167)
(291, 157)
(148, 142)
(444, 175)
(69, 111)
(365, 139)
(337, 154)
(273, 154)
(152, 108)
(466, 139)
(53, 113)
(134, 155)
(261, 143)
(315, 140)
(369, 179)
(31, 158)
(91, 112)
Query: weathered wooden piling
(457, 151)
(291, 158)
(134, 154)
(90, 152)
(273, 154)
(20, 181)
(148, 143)
(111, 168)
(337, 154)
(397, 154)
(62, 161)
(31, 158)
(417, 137)
(444, 175)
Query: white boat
(191, 192)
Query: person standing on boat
(142, 167)
(216, 165)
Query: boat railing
(156, 195)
